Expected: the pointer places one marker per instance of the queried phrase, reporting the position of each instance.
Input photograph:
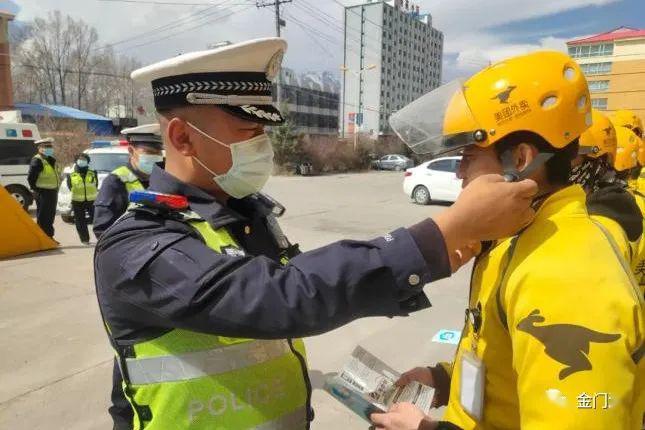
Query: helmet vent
(588, 119)
(549, 102)
(569, 73)
(582, 102)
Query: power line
(171, 25)
(208, 21)
(82, 72)
(167, 3)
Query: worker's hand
(401, 416)
(418, 374)
(488, 208)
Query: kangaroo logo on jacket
(565, 343)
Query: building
(614, 64)
(392, 55)
(6, 94)
(311, 100)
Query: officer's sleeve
(110, 204)
(576, 338)
(35, 167)
(174, 280)
(68, 181)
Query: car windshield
(108, 161)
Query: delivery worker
(44, 181)
(144, 147)
(83, 182)
(554, 331)
(204, 297)
(628, 119)
(608, 201)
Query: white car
(433, 180)
(104, 160)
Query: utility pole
(279, 22)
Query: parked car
(104, 160)
(433, 180)
(393, 162)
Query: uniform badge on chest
(233, 251)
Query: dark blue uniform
(154, 274)
(112, 201)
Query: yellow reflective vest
(188, 380)
(84, 188)
(561, 329)
(49, 177)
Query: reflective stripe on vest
(185, 379)
(48, 178)
(83, 188)
(128, 178)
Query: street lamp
(358, 74)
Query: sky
(476, 32)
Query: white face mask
(251, 168)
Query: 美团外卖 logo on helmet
(504, 95)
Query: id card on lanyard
(473, 371)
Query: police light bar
(159, 200)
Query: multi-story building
(392, 55)
(311, 101)
(614, 64)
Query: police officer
(554, 322)
(83, 183)
(44, 181)
(203, 296)
(145, 151)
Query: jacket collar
(204, 204)
(570, 200)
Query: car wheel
(21, 194)
(398, 168)
(421, 195)
(69, 219)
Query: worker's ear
(179, 138)
(524, 155)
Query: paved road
(56, 361)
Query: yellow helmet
(627, 118)
(641, 151)
(600, 138)
(543, 92)
(627, 151)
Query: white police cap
(45, 141)
(147, 134)
(237, 78)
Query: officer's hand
(418, 374)
(463, 255)
(401, 416)
(488, 208)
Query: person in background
(44, 181)
(145, 151)
(84, 185)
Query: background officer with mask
(84, 184)
(44, 181)
(204, 297)
(145, 151)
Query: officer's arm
(174, 280)
(35, 167)
(110, 204)
(68, 180)
(575, 347)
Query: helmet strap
(511, 174)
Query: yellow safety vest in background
(128, 178)
(190, 380)
(84, 189)
(48, 179)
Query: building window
(586, 51)
(599, 104)
(596, 68)
(597, 86)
